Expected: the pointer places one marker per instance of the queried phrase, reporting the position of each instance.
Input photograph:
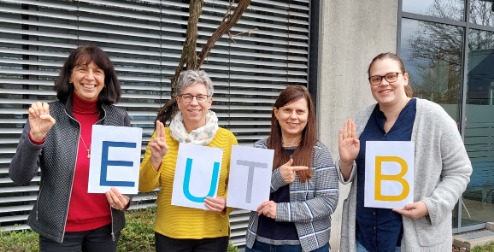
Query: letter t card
(389, 174)
(250, 177)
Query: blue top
(268, 227)
(381, 229)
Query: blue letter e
(214, 181)
(105, 163)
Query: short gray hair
(188, 78)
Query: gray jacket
(56, 158)
(442, 172)
(311, 203)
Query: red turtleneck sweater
(87, 211)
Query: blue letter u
(214, 179)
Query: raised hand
(158, 146)
(287, 171)
(348, 145)
(216, 204)
(40, 120)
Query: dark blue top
(268, 227)
(381, 229)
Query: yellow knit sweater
(182, 222)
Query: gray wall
(352, 33)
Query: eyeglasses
(389, 77)
(199, 98)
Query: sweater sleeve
(25, 162)
(148, 177)
(455, 171)
(322, 197)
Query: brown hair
(395, 57)
(87, 54)
(304, 151)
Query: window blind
(265, 51)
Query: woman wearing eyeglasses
(180, 228)
(442, 167)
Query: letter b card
(389, 174)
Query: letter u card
(389, 174)
(196, 175)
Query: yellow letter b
(397, 177)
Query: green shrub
(138, 235)
(21, 240)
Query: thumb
(48, 117)
(289, 163)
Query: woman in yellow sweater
(181, 228)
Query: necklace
(85, 146)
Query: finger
(261, 206)
(114, 199)
(32, 112)
(340, 135)
(45, 108)
(35, 107)
(157, 129)
(109, 198)
(353, 129)
(211, 205)
(298, 168)
(348, 127)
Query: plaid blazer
(311, 203)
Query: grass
(138, 235)
(485, 248)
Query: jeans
(264, 247)
(95, 240)
(361, 248)
(167, 244)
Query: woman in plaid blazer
(304, 184)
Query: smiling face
(194, 112)
(385, 93)
(88, 80)
(292, 118)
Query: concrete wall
(352, 32)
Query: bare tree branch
(189, 56)
(226, 24)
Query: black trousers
(95, 240)
(167, 244)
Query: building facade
(447, 47)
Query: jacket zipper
(73, 176)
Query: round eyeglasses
(199, 98)
(389, 77)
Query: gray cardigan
(56, 158)
(442, 172)
(311, 203)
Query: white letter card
(389, 174)
(196, 175)
(115, 159)
(250, 177)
